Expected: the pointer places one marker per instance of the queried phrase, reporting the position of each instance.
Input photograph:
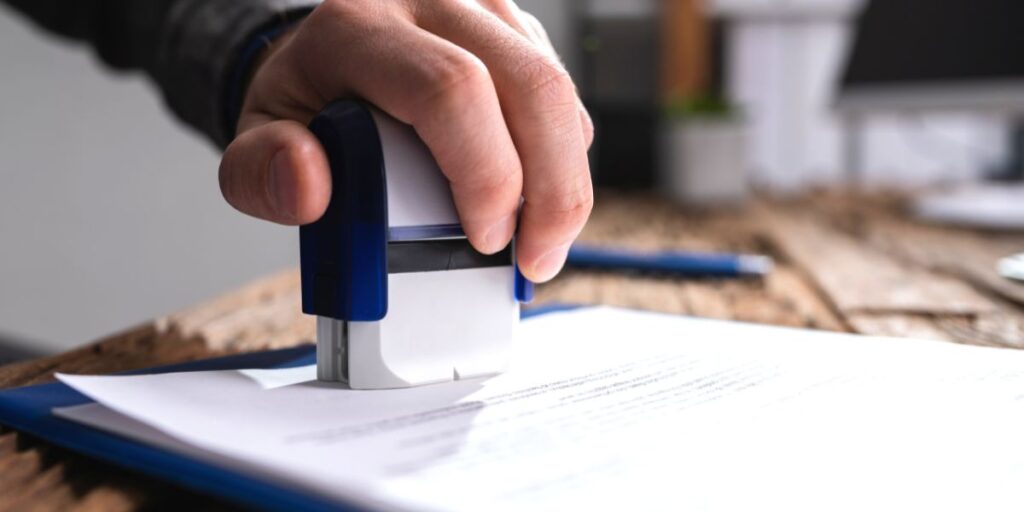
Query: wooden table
(845, 262)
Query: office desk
(845, 262)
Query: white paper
(606, 408)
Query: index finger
(539, 103)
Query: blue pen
(672, 262)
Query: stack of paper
(605, 409)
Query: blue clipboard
(28, 409)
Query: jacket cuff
(202, 65)
(242, 69)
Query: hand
(479, 82)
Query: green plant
(699, 107)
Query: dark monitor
(937, 54)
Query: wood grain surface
(845, 262)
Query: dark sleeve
(191, 48)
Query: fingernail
(500, 233)
(550, 263)
(283, 190)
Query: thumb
(278, 172)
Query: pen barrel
(673, 262)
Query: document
(608, 409)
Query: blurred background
(110, 212)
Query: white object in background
(608, 409)
(1012, 267)
(986, 206)
(784, 59)
(702, 161)
(914, 148)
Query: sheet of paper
(608, 408)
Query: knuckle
(460, 74)
(563, 128)
(574, 203)
(548, 80)
(494, 183)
